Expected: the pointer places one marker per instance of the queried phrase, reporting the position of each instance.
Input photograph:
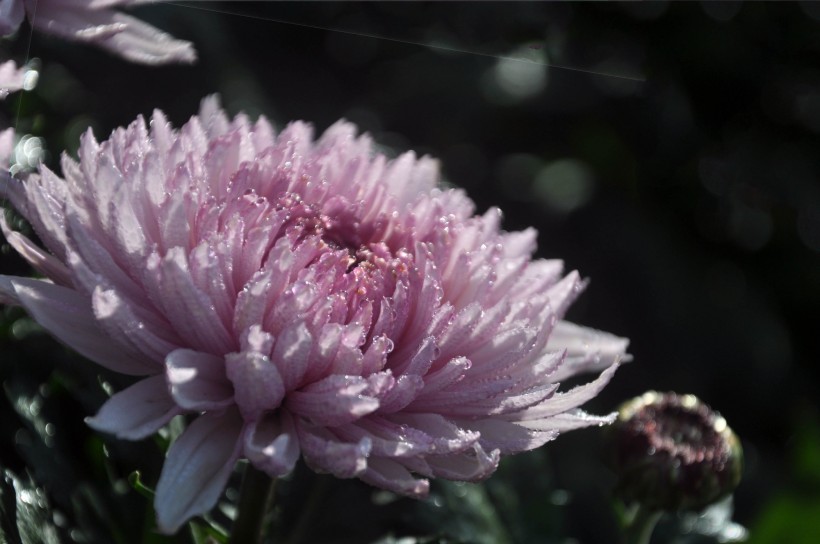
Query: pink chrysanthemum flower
(301, 298)
(94, 21)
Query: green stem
(638, 530)
(317, 493)
(255, 501)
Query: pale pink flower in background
(302, 298)
(11, 78)
(6, 149)
(96, 22)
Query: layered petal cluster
(300, 298)
(96, 22)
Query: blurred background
(668, 151)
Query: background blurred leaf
(793, 515)
(806, 454)
(788, 519)
(24, 512)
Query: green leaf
(24, 512)
(793, 516)
(139, 487)
(806, 454)
(467, 513)
(788, 519)
(204, 533)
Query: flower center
(673, 452)
(686, 432)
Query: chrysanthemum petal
(40, 199)
(197, 380)
(405, 390)
(453, 371)
(561, 402)
(43, 262)
(272, 444)
(67, 315)
(257, 383)
(336, 400)
(509, 437)
(447, 436)
(73, 22)
(290, 354)
(388, 439)
(11, 77)
(143, 43)
(588, 350)
(393, 476)
(197, 468)
(471, 465)
(188, 309)
(115, 315)
(11, 15)
(138, 411)
(572, 419)
(327, 453)
(120, 33)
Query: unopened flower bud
(672, 452)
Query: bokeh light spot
(564, 185)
